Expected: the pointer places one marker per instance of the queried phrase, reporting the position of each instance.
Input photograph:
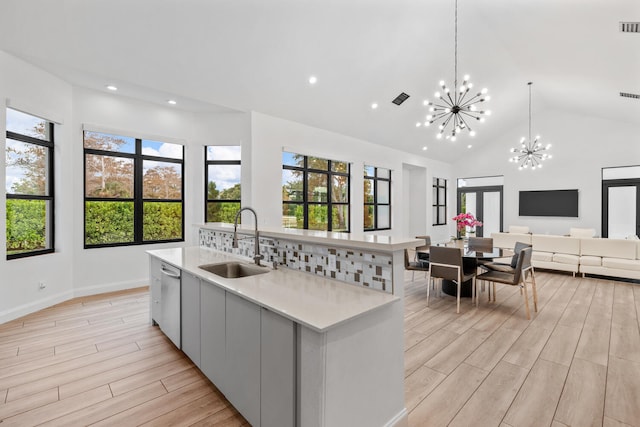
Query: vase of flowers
(464, 220)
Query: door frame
(480, 203)
(606, 184)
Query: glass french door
(620, 208)
(485, 203)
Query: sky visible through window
(23, 124)
(224, 176)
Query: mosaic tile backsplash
(372, 270)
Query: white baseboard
(32, 307)
(109, 287)
(400, 420)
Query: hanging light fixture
(456, 107)
(530, 154)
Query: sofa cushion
(566, 259)
(557, 244)
(582, 232)
(611, 248)
(509, 240)
(591, 260)
(520, 229)
(542, 256)
(622, 264)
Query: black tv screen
(549, 203)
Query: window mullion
(138, 203)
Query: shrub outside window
(315, 193)
(222, 182)
(133, 190)
(377, 198)
(29, 185)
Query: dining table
(470, 258)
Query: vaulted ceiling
(257, 55)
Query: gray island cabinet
(292, 349)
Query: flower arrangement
(464, 220)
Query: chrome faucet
(257, 257)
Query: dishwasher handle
(170, 273)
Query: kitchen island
(292, 348)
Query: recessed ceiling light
(313, 80)
(424, 148)
(418, 124)
(112, 87)
(172, 102)
(469, 146)
(374, 105)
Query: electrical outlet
(41, 285)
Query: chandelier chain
(455, 48)
(530, 83)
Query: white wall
(271, 135)
(581, 147)
(72, 270)
(102, 269)
(29, 88)
(75, 271)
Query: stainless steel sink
(234, 270)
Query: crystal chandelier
(530, 154)
(456, 107)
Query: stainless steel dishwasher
(170, 297)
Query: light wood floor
(576, 363)
(96, 360)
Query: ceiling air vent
(630, 27)
(629, 95)
(400, 98)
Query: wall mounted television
(563, 203)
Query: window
(439, 201)
(29, 185)
(315, 193)
(133, 191)
(222, 181)
(377, 198)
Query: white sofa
(508, 240)
(587, 255)
(610, 257)
(556, 252)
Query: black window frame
(306, 170)
(50, 197)
(375, 179)
(437, 203)
(137, 199)
(208, 163)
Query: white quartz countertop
(348, 240)
(307, 299)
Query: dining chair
(510, 266)
(481, 244)
(446, 264)
(422, 252)
(517, 278)
(414, 266)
